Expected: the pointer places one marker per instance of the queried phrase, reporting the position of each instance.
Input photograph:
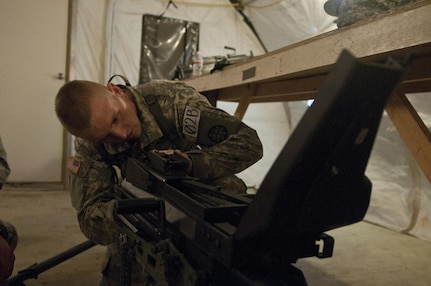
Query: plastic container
(198, 64)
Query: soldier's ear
(115, 89)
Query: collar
(150, 130)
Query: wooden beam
(297, 72)
(419, 75)
(412, 130)
(286, 90)
(394, 34)
(244, 102)
(416, 87)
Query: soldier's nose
(120, 133)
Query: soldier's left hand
(180, 153)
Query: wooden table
(297, 71)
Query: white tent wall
(281, 23)
(401, 197)
(106, 40)
(107, 34)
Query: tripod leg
(34, 270)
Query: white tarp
(401, 197)
(106, 40)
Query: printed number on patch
(191, 121)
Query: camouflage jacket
(91, 187)
(351, 11)
(4, 167)
(11, 233)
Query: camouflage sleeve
(227, 145)
(93, 194)
(4, 167)
(12, 234)
(233, 155)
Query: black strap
(126, 81)
(169, 130)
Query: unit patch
(206, 127)
(191, 120)
(73, 165)
(217, 133)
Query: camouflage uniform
(4, 167)
(351, 11)
(92, 189)
(8, 244)
(12, 234)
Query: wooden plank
(244, 101)
(419, 76)
(296, 72)
(412, 130)
(416, 87)
(417, 80)
(286, 90)
(395, 33)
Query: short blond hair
(72, 104)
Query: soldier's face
(114, 117)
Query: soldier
(8, 243)
(351, 11)
(115, 122)
(8, 234)
(4, 166)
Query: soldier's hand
(180, 153)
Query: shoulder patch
(217, 133)
(191, 120)
(73, 165)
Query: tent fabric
(401, 198)
(113, 43)
(106, 39)
(289, 21)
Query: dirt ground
(364, 254)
